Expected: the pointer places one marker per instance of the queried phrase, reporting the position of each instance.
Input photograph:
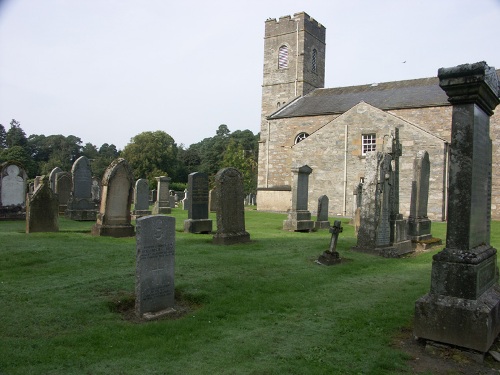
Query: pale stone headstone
(230, 208)
(80, 205)
(171, 199)
(463, 305)
(185, 205)
(155, 258)
(419, 225)
(117, 190)
(96, 190)
(322, 215)
(299, 218)
(212, 200)
(13, 185)
(63, 187)
(141, 198)
(42, 209)
(37, 182)
(197, 202)
(52, 177)
(162, 203)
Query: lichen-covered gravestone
(42, 209)
(463, 305)
(230, 208)
(117, 190)
(155, 258)
(197, 202)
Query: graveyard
(261, 307)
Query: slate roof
(415, 93)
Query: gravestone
(172, 199)
(141, 198)
(185, 200)
(13, 180)
(81, 207)
(230, 208)
(197, 202)
(419, 225)
(117, 190)
(37, 182)
(212, 201)
(42, 209)
(96, 190)
(356, 220)
(153, 196)
(63, 186)
(162, 203)
(322, 215)
(332, 256)
(52, 177)
(462, 307)
(155, 258)
(299, 218)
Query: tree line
(150, 154)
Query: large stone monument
(230, 208)
(162, 203)
(42, 209)
(12, 191)
(141, 198)
(322, 214)
(155, 258)
(81, 207)
(299, 218)
(419, 225)
(117, 190)
(197, 204)
(463, 305)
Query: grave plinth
(463, 305)
(299, 218)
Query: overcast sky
(107, 70)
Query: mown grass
(263, 307)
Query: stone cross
(335, 231)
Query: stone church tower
(294, 60)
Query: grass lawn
(263, 307)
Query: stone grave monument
(37, 182)
(462, 307)
(81, 207)
(117, 190)
(96, 190)
(13, 181)
(212, 200)
(141, 198)
(154, 274)
(230, 208)
(162, 203)
(332, 256)
(52, 177)
(185, 206)
(197, 202)
(322, 215)
(42, 209)
(299, 218)
(63, 186)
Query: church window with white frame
(314, 64)
(283, 57)
(300, 137)
(368, 143)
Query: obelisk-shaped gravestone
(299, 218)
(197, 203)
(463, 305)
(230, 208)
(419, 225)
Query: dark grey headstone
(82, 178)
(197, 204)
(322, 215)
(141, 195)
(155, 258)
(230, 208)
(42, 211)
(52, 177)
(299, 217)
(419, 225)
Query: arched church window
(283, 57)
(314, 65)
(300, 137)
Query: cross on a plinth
(335, 230)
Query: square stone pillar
(299, 218)
(463, 305)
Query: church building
(332, 129)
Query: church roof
(415, 93)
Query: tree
(106, 154)
(150, 153)
(21, 155)
(3, 137)
(15, 136)
(54, 151)
(236, 156)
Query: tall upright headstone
(155, 260)
(63, 186)
(141, 198)
(185, 205)
(419, 225)
(462, 307)
(81, 207)
(162, 203)
(322, 214)
(52, 177)
(13, 184)
(95, 190)
(197, 202)
(117, 190)
(42, 209)
(230, 208)
(299, 218)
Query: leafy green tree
(54, 151)
(152, 154)
(3, 137)
(21, 155)
(15, 136)
(236, 157)
(103, 158)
